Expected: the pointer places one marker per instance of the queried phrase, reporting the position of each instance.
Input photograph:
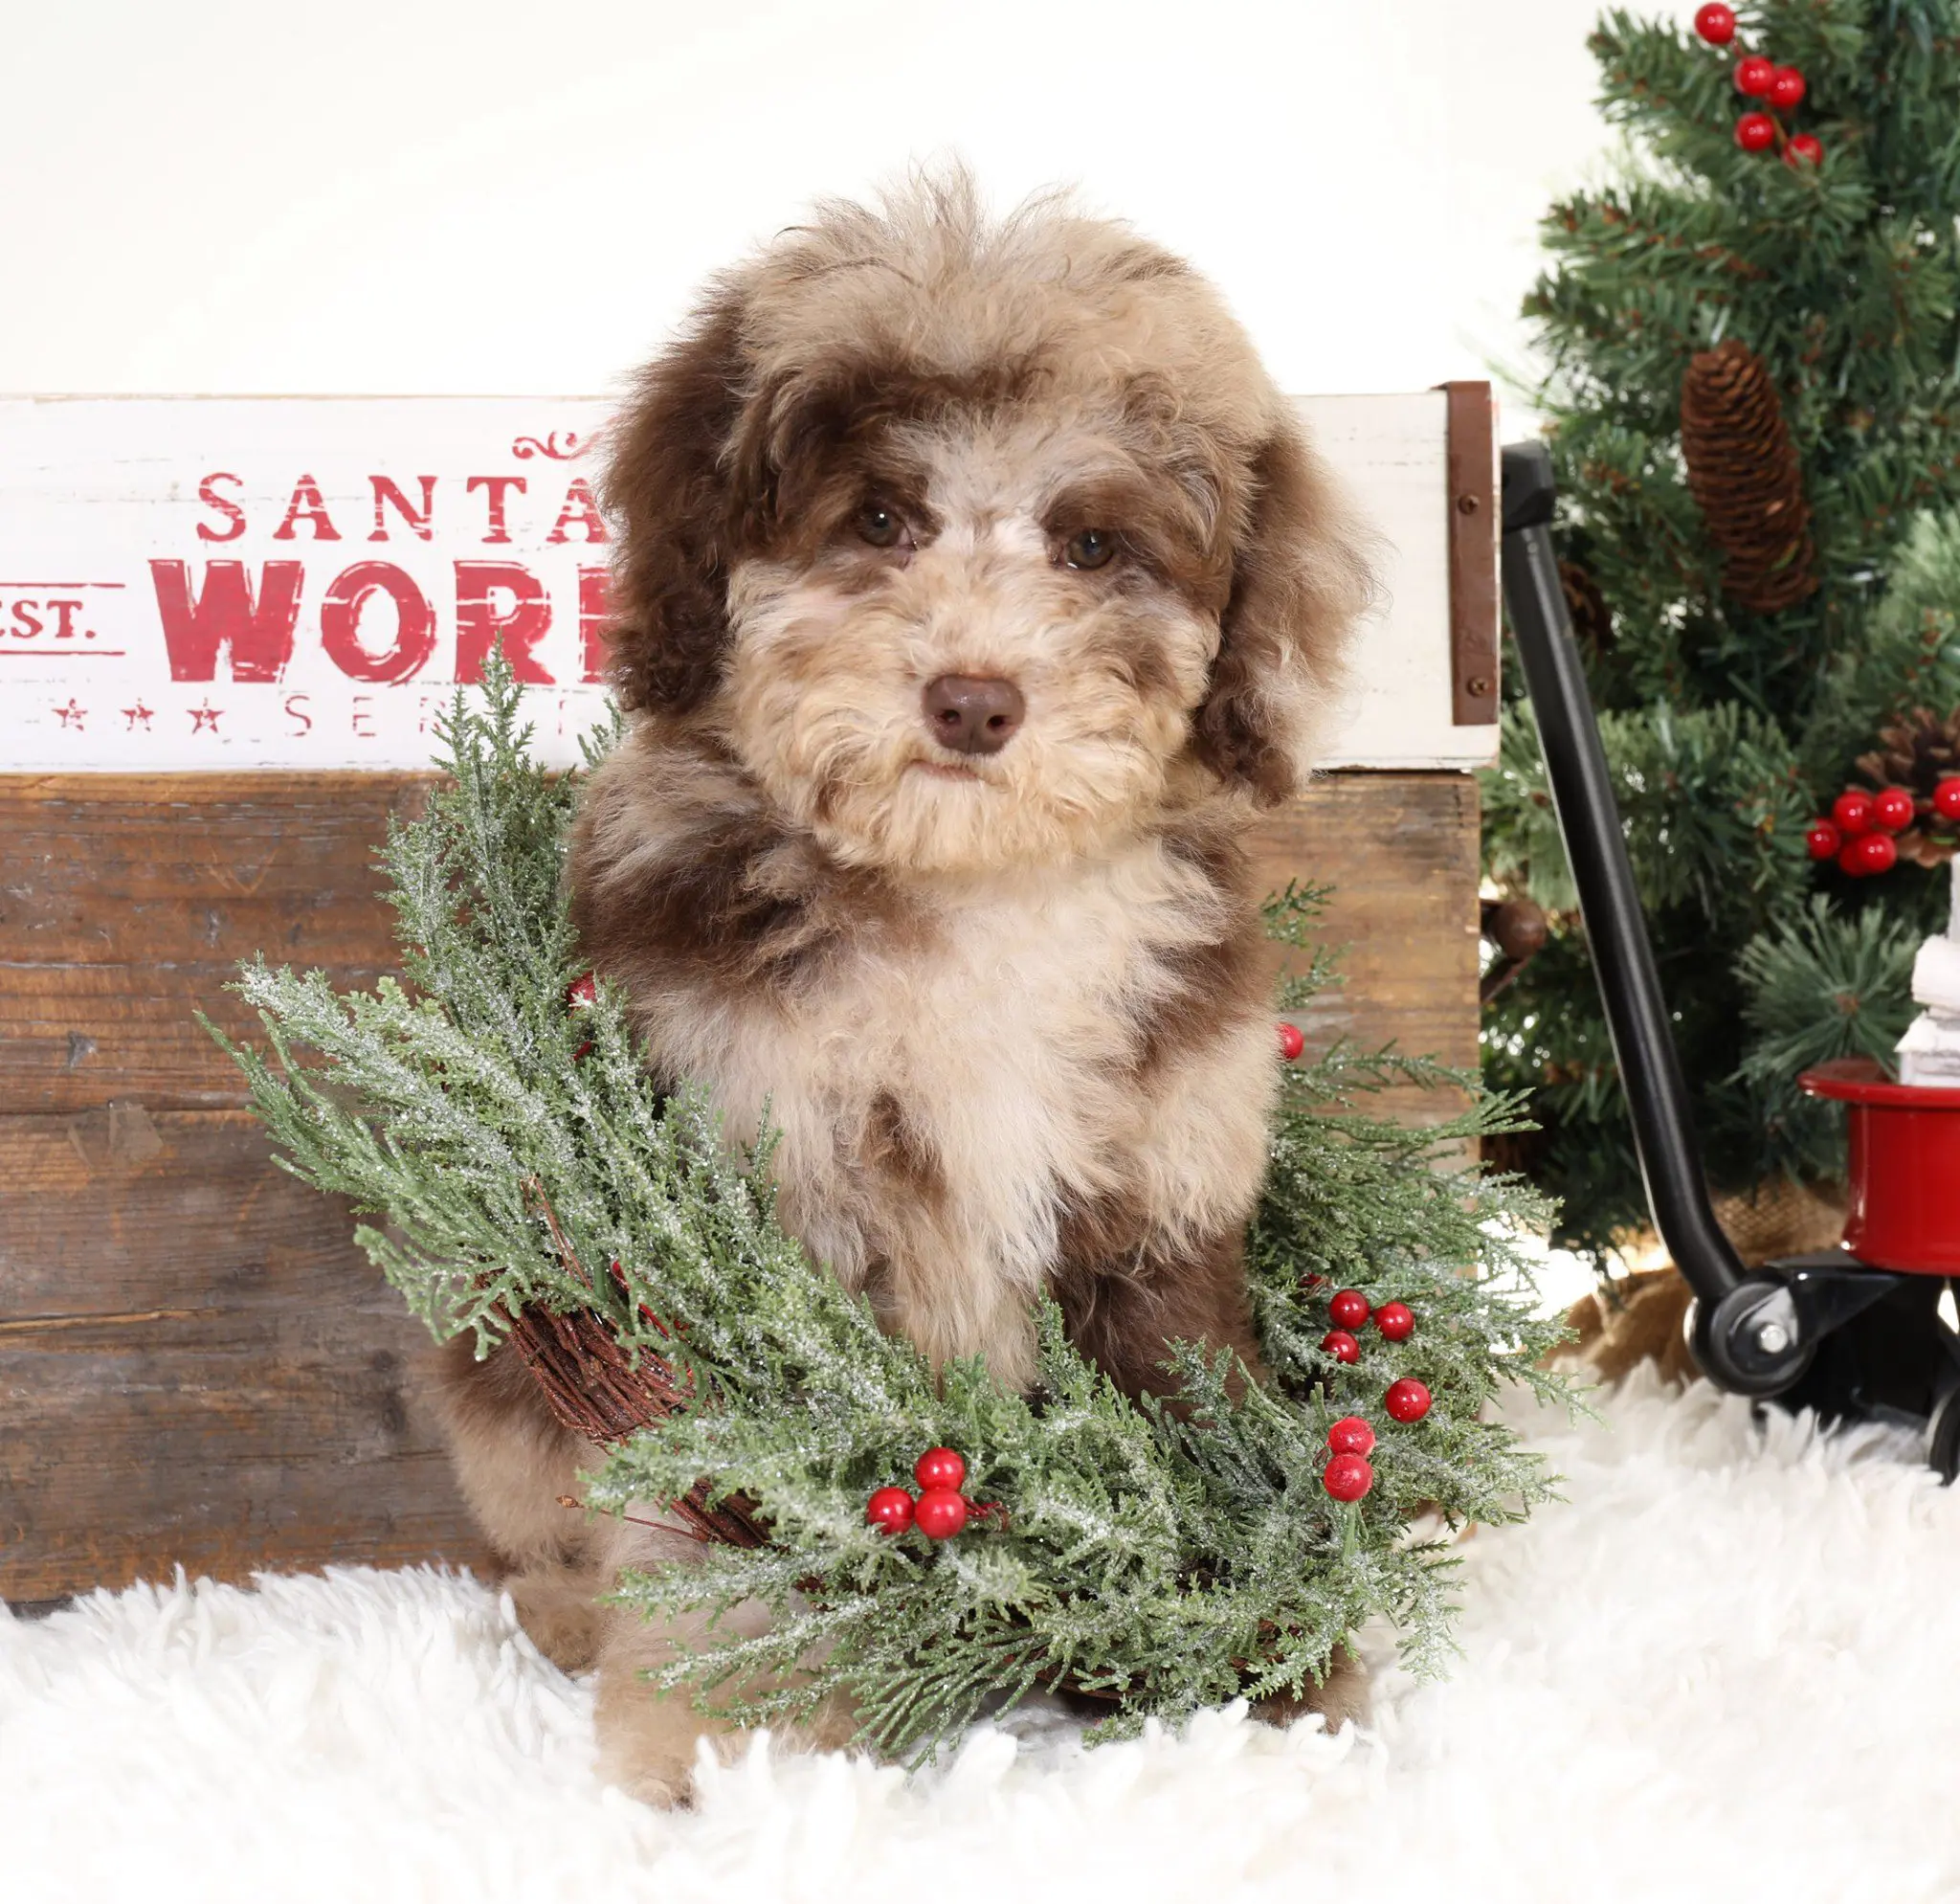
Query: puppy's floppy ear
(666, 484)
(1299, 576)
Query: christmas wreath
(533, 1182)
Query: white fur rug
(1727, 1669)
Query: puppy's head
(977, 542)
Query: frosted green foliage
(1167, 1556)
(1727, 728)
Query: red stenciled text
(378, 621)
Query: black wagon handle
(1616, 930)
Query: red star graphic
(71, 715)
(206, 716)
(138, 713)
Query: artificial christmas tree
(1752, 396)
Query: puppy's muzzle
(973, 713)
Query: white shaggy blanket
(1726, 1668)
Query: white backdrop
(510, 196)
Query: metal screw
(1466, 506)
(1479, 686)
(1773, 1338)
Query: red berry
(891, 1509)
(1341, 1346)
(1715, 23)
(1806, 149)
(940, 1467)
(1786, 88)
(1823, 839)
(1292, 1041)
(1853, 813)
(1946, 799)
(940, 1512)
(1755, 131)
(1396, 1321)
(1348, 1307)
(1876, 852)
(1349, 1477)
(1892, 810)
(1350, 1435)
(1848, 861)
(1406, 1400)
(1754, 75)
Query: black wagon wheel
(1943, 1435)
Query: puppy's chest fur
(969, 1076)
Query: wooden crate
(197, 1367)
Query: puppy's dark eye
(1089, 549)
(880, 526)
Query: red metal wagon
(1903, 1168)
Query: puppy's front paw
(1343, 1695)
(651, 1753)
(647, 1740)
(555, 1608)
(664, 1780)
(832, 1727)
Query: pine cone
(1592, 618)
(1917, 751)
(1517, 928)
(1744, 473)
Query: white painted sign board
(300, 582)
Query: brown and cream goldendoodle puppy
(974, 589)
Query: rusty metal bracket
(1471, 468)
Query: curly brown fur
(1003, 1000)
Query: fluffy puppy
(975, 589)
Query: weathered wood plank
(1401, 851)
(197, 1367)
(162, 868)
(126, 903)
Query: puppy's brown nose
(973, 713)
